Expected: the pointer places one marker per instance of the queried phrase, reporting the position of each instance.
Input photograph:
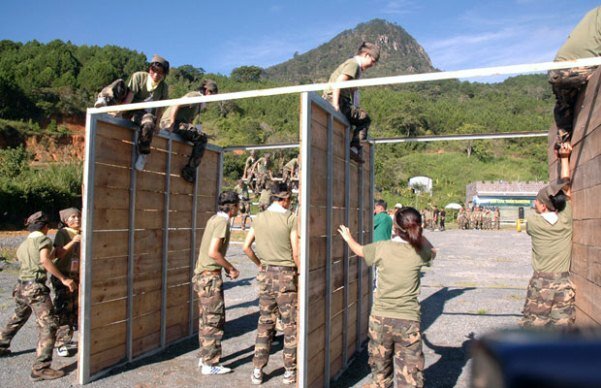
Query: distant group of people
(43, 263)
(479, 218)
(434, 218)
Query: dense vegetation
(44, 85)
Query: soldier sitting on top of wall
(141, 87)
(551, 295)
(583, 42)
(178, 119)
(347, 100)
(35, 255)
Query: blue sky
(221, 35)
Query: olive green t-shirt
(351, 68)
(62, 238)
(184, 114)
(138, 84)
(272, 235)
(398, 266)
(585, 39)
(28, 255)
(217, 227)
(551, 244)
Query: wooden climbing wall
(585, 164)
(335, 284)
(139, 248)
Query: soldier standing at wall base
(395, 340)
(550, 300)
(66, 249)
(31, 294)
(208, 283)
(275, 233)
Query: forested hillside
(45, 89)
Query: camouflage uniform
(550, 301)
(277, 290)
(404, 338)
(65, 308)
(209, 287)
(33, 296)
(566, 85)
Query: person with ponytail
(394, 322)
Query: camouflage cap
(37, 218)
(66, 213)
(371, 49)
(280, 190)
(208, 85)
(544, 195)
(162, 61)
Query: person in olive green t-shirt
(178, 119)
(208, 283)
(346, 100)
(394, 322)
(66, 247)
(382, 222)
(31, 294)
(275, 233)
(583, 42)
(550, 300)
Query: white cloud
(398, 7)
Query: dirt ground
(476, 285)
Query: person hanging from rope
(347, 100)
(178, 119)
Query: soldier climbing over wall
(347, 100)
(35, 255)
(178, 119)
(142, 87)
(275, 234)
(583, 42)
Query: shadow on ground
(445, 371)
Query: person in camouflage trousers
(31, 295)
(395, 340)
(275, 234)
(583, 42)
(408, 356)
(550, 301)
(66, 248)
(208, 283)
(178, 119)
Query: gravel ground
(476, 285)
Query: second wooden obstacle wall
(585, 164)
(339, 191)
(142, 231)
